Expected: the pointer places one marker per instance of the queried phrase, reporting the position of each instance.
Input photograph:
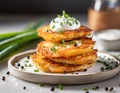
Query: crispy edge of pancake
(63, 51)
(76, 60)
(49, 35)
(53, 67)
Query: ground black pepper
(22, 67)
(28, 57)
(75, 44)
(8, 73)
(52, 89)
(65, 72)
(106, 88)
(97, 87)
(87, 91)
(24, 87)
(111, 89)
(3, 78)
(18, 64)
(85, 70)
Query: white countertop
(15, 85)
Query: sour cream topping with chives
(64, 22)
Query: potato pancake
(77, 60)
(47, 34)
(65, 49)
(53, 67)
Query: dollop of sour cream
(64, 22)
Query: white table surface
(15, 85)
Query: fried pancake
(77, 60)
(68, 49)
(47, 34)
(53, 67)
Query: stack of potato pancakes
(65, 51)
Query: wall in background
(43, 6)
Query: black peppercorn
(87, 91)
(3, 78)
(64, 72)
(8, 73)
(24, 87)
(18, 64)
(52, 89)
(75, 44)
(106, 88)
(111, 89)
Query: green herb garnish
(60, 87)
(25, 65)
(30, 65)
(53, 49)
(61, 32)
(26, 61)
(61, 24)
(41, 84)
(59, 16)
(94, 88)
(102, 68)
(84, 89)
(53, 20)
(36, 70)
(62, 42)
(53, 27)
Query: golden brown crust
(77, 60)
(67, 49)
(53, 67)
(49, 35)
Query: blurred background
(44, 6)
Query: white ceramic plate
(93, 74)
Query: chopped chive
(43, 46)
(102, 68)
(109, 67)
(63, 12)
(70, 24)
(108, 58)
(30, 65)
(36, 70)
(41, 84)
(53, 49)
(94, 88)
(59, 16)
(76, 22)
(61, 32)
(60, 87)
(66, 15)
(53, 27)
(26, 61)
(61, 24)
(25, 65)
(53, 20)
(84, 89)
(62, 42)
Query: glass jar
(104, 14)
